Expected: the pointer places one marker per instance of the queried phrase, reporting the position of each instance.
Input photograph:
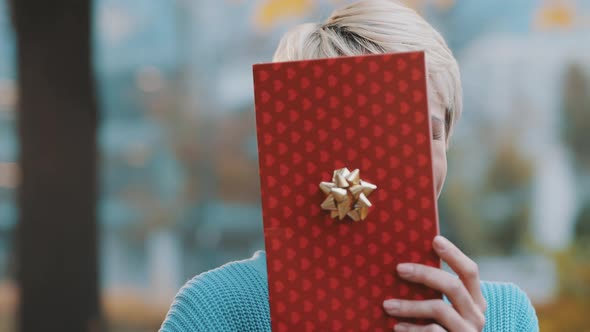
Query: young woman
(234, 297)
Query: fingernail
(391, 305)
(439, 243)
(401, 327)
(405, 269)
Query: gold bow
(347, 195)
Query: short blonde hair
(380, 26)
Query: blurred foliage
(582, 229)
(8, 305)
(569, 311)
(576, 106)
(272, 11)
(509, 177)
(575, 129)
(459, 218)
(555, 14)
(129, 312)
(490, 218)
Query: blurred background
(178, 169)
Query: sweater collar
(259, 263)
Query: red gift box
(316, 116)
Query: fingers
(466, 269)
(444, 282)
(468, 304)
(405, 327)
(434, 309)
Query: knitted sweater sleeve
(229, 298)
(527, 317)
(509, 308)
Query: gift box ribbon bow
(347, 195)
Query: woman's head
(387, 26)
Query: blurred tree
(488, 211)
(57, 120)
(509, 169)
(507, 192)
(576, 106)
(582, 230)
(459, 220)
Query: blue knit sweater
(234, 297)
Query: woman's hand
(466, 314)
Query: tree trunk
(57, 120)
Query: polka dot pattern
(367, 112)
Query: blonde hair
(380, 26)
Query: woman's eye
(437, 135)
(438, 129)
